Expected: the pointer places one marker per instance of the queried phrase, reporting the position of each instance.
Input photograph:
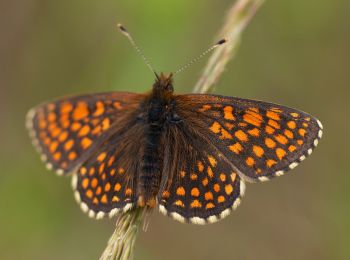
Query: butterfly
(187, 155)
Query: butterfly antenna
(222, 41)
(125, 32)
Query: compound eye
(170, 88)
(174, 118)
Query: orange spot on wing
(215, 128)
(253, 118)
(281, 139)
(86, 142)
(196, 204)
(180, 191)
(254, 132)
(222, 177)
(291, 124)
(85, 183)
(128, 192)
(289, 134)
(42, 124)
(216, 187)
(228, 189)
(97, 130)
(205, 182)
(292, 148)
(270, 143)
(106, 124)
(250, 161)
(115, 199)
(81, 111)
(117, 187)
(104, 199)
(208, 195)
(51, 117)
(117, 105)
(274, 124)
(100, 108)
(66, 107)
(300, 142)
(84, 131)
(166, 194)
(107, 187)
(241, 136)
(200, 166)
(210, 172)
(94, 183)
(179, 203)
(258, 150)
(212, 160)
(63, 136)
(72, 156)
(236, 148)
(56, 156)
(280, 153)
(270, 130)
(210, 206)
(229, 126)
(225, 134)
(273, 115)
(89, 194)
(302, 132)
(101, 156)
(69, 144)
(75, 126)
(193, 177)
(110, 160)
(83, 171)
(204, 108)
(233, 176)
(195, 192)
(53, 146)
(270, 163)
(221, 199)
(228, 113)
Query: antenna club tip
(222, 41)
(121, 27)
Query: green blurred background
(294, 53)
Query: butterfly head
(163, 84)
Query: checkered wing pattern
(66, 132)
(260, 140)
(106, 183)
(199, 185)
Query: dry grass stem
(121, 243)
(237, 19)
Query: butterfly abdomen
(150, 175)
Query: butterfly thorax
(158, 110)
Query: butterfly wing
(198, 185)
(260, 140)
(66, 132)
(107, 182)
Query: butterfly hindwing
(199, 186)
(107, 182)
(261, 140)
(66, 132)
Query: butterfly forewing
(261, 140)
(66, 132)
